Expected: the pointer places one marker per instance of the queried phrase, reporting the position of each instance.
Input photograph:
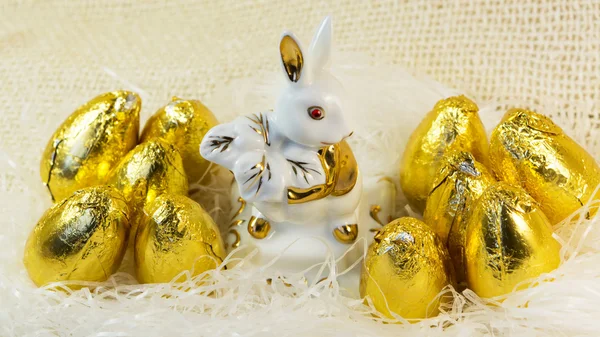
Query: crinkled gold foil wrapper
(528, 149)
(406, 267)
(81, 238)
(461, 181)
(149, 170)
(176, 234)
(183, 123)
(452, 125)
(509, 240)
(91, 142)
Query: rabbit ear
(291, 56)
(320, 47)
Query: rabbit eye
(316, 112)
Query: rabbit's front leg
(225, 143)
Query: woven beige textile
(55, 55)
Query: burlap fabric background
(55, 55)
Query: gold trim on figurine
(346, 234)
(238, 239)
(258, 227)
(241, 209)
(341, 173)
(292, 58)
(263, 126)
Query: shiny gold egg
(81, 238)
(457, 187)
(509, 240)
(149, 170)
(528, 149)
(183, 123)
(405, 268)
(89, 143)
(453, 124)
(175, 235)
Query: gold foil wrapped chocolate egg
(175, 235)
(183, 123)
(406, 267)
(81, 238)
(89, 143)
(149, 170)
(528, 149)
(509, 240)
(459, 184)
(453, 124)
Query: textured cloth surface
(55, 55)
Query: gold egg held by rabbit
(183, 124)
(459, 184)
(81, 238)
(176, 234)
(528, 149)
(453, 124)
(149, 170)
(405, 269)
(509, 240)
(89, 143)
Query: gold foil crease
(183, 124)
(460, 183)
(509, 240)
(81, 238)
(453, 124)
(90, 142)
(149, 170)
(175, 235)
(407, 265)
(528, 149)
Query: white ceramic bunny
(292, 165)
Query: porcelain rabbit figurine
(292, 164)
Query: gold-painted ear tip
(291, 56)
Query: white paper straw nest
(385, 103)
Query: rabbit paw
(304, 167)
(225, 143)
(258, 178)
